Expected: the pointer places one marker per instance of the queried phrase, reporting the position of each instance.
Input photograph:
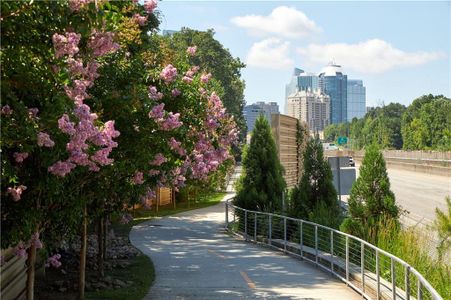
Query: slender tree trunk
(105, 236)
(31, 263)
(83, 248)
(100, 257)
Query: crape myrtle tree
(262, 184)
(315, 198)
(371, 202)
(94, 116)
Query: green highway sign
(342, 140)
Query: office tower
(252, 111)
(356, 99)
(301, 81)
(333, 82)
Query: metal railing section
(372, 272)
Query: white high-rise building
(310, 107)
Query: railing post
(393, 278)
(362, 265)
(316, 244)
(419, 291)
(347, 260)
(332, 251)
(285, 234)
(407, 279)
(378, 278)
(301, 239)
(227, 215)
(270, 229)
(245, 225)
(255, 226)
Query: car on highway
(351, 162)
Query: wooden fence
(13, 276)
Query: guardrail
(372, 272)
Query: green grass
(141, 270)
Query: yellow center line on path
(249, 282)
(217, 254)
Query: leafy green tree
(426, 124)
(262, 183)
(371, 202)
(442, 225)
(315, 195)
(213, 57)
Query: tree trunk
(100, 258)
(83, 247)
(31, 262)
(105, 236)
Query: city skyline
(397, 49)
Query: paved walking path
(195, 259)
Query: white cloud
(269, 53)
(283, 21)
(372, 56)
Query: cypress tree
(315, 197)
(371, 202)
(261, 185)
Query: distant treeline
(423, 125)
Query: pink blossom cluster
(138, 178)
(61, 168)
(150, 5)
(176, 92)
(20, 156)
(35, 240)
(145, 199)
(44, 140)
(20, 250)
(66, 44)
(159, 159)
(16, 193)
(101, 43)
(89, 72)
(126, 218)
(53, 261)
(168, 74)
(205, 77)
(171, 122)
(187, 79)
(179, 179)
(191, 50)
(140, 20)
(6, 110)
(33, 112)
(157, 112)
(76, 5)
(154, 94)
(153, 172)
(78, 91)
(176, 146)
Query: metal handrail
(368, 277)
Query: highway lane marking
(216, 253)
(249, 282)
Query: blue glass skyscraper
(356, 99)
(334, 83)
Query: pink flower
(6, 110)
(168, 74)
(76, 5)
(16, 193)
(150, 5)
(205, 77)
(154, 94)
(191, 50)
(176, 146)
(140, 20)
(66, 44)
(187, 79)
(33, 112)
(20, 156)
(66, 125)
(176, 92)
(35, 240)
(158, 160)
(45, 140)
(20, 250)
(153, 172)
(138, 178)
(172, 122)
(157, 112)
(101, 43)
(54, 261)
(126, 218)
(61, 168)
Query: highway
(418, 193)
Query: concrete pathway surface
(195, 259)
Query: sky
(401, 50)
